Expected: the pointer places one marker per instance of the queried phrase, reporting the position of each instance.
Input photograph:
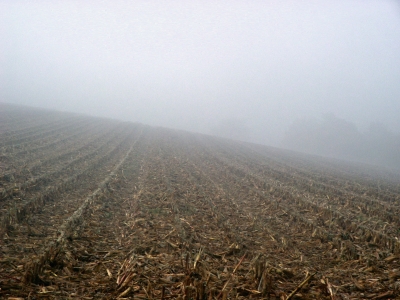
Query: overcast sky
(197, 64)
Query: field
(93, 208)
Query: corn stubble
(135, 212)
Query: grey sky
(194, 64)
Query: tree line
(338, 138)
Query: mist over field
(316, 77)
(200, 149)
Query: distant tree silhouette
(383, 146)
(335, 137)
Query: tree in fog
(335, 137)
(382, 145)
(330, 136)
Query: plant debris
(97, 209)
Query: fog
(248, 70)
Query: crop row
(17, 141)
(364, 180)
(36, 159)
(25, 163)
(17, 213)
(47, 143)
(295, 176)
(328, 215)
(286, 187)
(150, 213)
(61, 165)
(229, 202)
(361, 207)
(17, 121)
(54, 249)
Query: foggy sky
(198, 65)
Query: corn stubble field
(93, 208)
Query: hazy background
(275, 72)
